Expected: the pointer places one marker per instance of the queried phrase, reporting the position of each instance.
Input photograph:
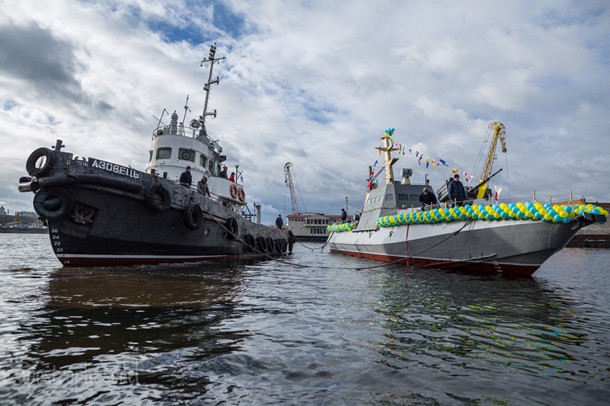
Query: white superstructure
(178, 145)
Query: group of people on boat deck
(186, 179)
(455, 189)
(223, 174)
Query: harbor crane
(288, 181)
(481, 191)
(499, 134)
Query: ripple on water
(271, 332)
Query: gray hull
(506, 247)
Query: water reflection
(152, 320)
(452, 322)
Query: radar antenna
(206, 87)
(288, 181)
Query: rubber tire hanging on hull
(261, 244)
(158, 198)
(249, 242)
(52, 204)
(270, 245)
(291, 240)
(46, 167)
(232, 228)
(277, 244)
(193, 216)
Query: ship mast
(387, 148)
(206, 87)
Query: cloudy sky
(316, 83)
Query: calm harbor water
(268, 332)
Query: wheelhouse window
(202, 160)
(164, 153)
(185, 154)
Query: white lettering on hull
(114, 168)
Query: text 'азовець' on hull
(467, 235)
(103, 213)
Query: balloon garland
(498, 212)
(339, 228)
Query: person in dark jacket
(202, 186)
(457, 192)
(427, 198)
(186, 179)
(343, 216)
(279, 222)
(223, 173)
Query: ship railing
(166, 130)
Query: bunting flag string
(422, 159)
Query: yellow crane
(499, 133)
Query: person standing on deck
(456, 191)
(185, 178)
(343, 216)
(202, 186)
(279, 222)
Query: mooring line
(336, 267)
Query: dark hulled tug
(100, 213)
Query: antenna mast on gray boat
(212, 59)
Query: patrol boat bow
(102, 213)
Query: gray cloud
(33, 54)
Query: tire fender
(232, 228)
(193, 216)
(47, 164)
(158, 198)
(261, 244)
(249, 242)
(52, 204)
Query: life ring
(270, 245)
(249, 242)
(158, 198)
(52, 204)
(261, 244)
(241, 194)
(46, 164)
(231, 228)
(193, 216)
(234, 191)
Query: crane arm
(499, 134)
